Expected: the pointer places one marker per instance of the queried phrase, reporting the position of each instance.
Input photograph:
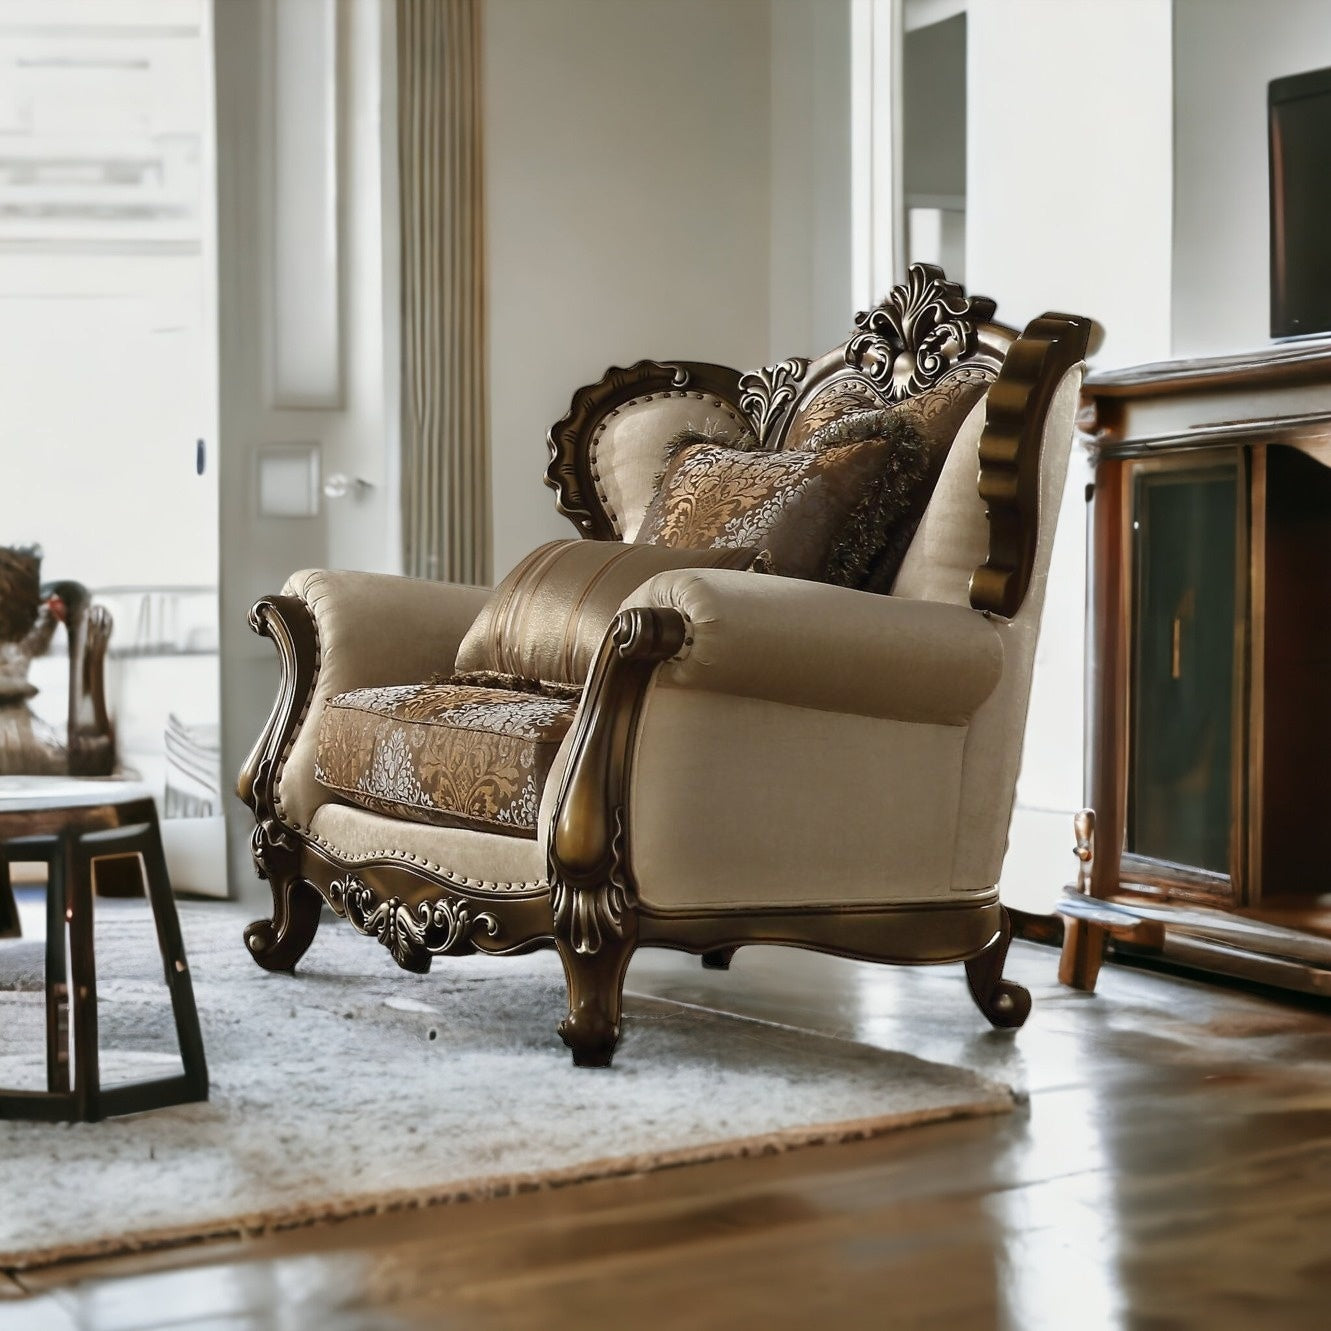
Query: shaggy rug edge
(262, 1224)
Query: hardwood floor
(1172, 1169)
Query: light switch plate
(287, 480)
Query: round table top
(32, 794)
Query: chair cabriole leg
(1004, 1003)
(596, 959)
(595, 1003)
(279, 943)
(718, 959)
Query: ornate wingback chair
(754, 759)
(29, 615)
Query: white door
(308, 324)
(108, 378)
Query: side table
(69, 837)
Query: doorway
(108, 372)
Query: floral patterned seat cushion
(452, 755)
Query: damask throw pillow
(792, 505)
(879, 533)
(824, 514)
(542, 625)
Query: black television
(1299, 121)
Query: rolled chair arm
(829, 648)
(336, 631)
(377, 629)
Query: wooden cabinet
(1209, 719)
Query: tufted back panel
(627, 451)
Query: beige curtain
(445, 448)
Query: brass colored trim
(1083, 830)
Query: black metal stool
(9, 921)
(69, 858)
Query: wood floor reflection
(1172, 1169)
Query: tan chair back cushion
(627, 453)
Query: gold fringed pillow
(542, 625)
(871, 546)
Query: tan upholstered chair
(754, 759)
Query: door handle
(339, 485)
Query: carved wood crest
(414, 935)
(765, 394)
(920, 331)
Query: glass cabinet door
(1185, 673)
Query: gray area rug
(354, 1087)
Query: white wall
(812, 300)
(627, 187)
(1225, 53)
(1069, 183)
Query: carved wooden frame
(569, 473)
(1010, 455)
(415, 912)
(922, 332)
(590, 908)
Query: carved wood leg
(719, 959)
(1005, 1003)
(1083, 951)
(596, 993)
(279, 943)
(593, 898)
